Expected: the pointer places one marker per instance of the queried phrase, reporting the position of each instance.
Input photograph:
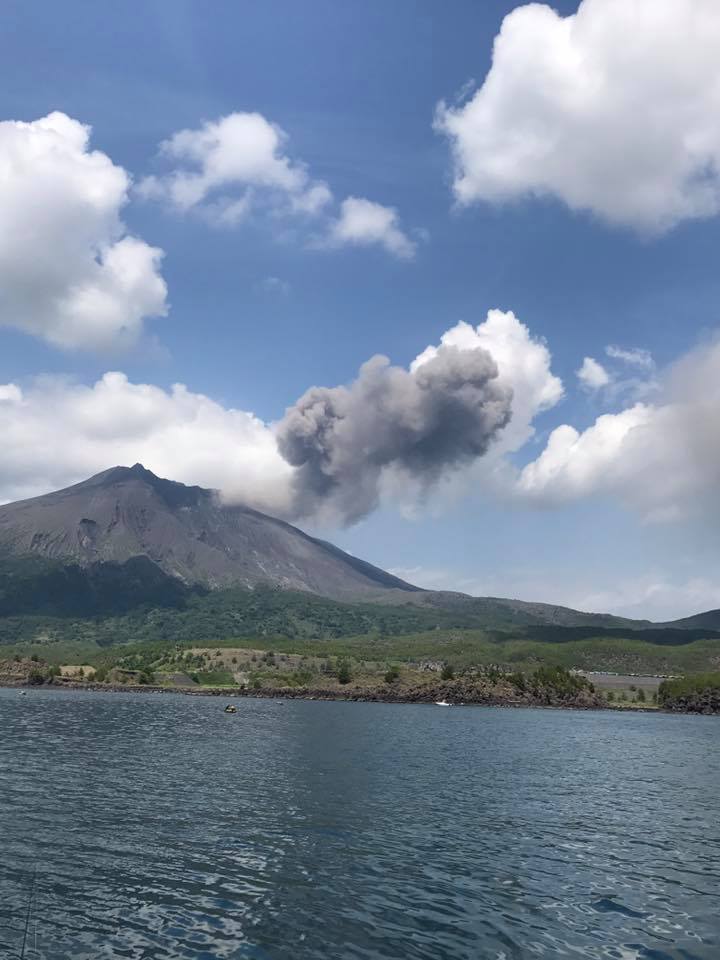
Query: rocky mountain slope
(187, 532)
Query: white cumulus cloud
(593, 375)
(363, 223)
(57, 432)
(612, 110)
(69, 271)
(242, 150)
(575, 464)
(661, 458)
(238, 166)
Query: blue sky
(263, 310)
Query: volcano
(187, 532)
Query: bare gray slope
(128, 512)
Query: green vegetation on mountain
(68, 613)
(198, 615)
(36, 587)
(103, 641)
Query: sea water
(157, 826)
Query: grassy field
(629, 691)
(461, 648)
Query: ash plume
(422, 423)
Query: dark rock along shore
(705, 702)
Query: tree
(640, 695)
(392, 674)
(447, 672)
(344, 674)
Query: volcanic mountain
(187, 532)
(127, 538)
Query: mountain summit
(187, 532)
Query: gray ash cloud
(423, 423)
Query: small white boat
(442, 703)
(23, 693)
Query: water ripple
(163, 829)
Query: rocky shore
(706, 702)
(26, 673)
(473, 690)
(698, 693)
(357, 694)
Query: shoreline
(324, 695)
